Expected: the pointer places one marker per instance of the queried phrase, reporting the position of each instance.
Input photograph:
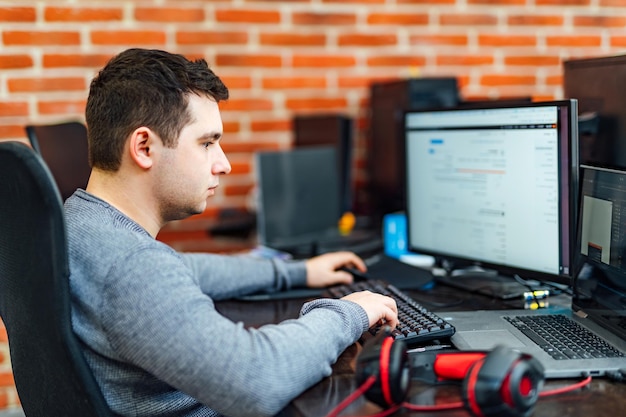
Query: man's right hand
(380, 309)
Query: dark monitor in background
(598, 85)
(492, 190)
(298, 201)
(329, 130)
(385, 192)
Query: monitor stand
(487, 282)
(473, 271)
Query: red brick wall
(284, 57)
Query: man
(145, 313)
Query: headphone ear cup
(505, 383)
(387, 360)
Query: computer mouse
(357, 274)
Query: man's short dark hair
(144, 87)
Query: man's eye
(207, 144)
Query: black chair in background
(64, 148)
(51, 374)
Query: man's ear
(140, 147)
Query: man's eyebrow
(210, 136)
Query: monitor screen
(600, 287)
(597, 85)
(495, 186)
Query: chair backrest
(64, 148)
(51, 374)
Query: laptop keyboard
(417, 324)
(563, 338)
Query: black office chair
(51, 374)
(64, 148)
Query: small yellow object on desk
(346, 223)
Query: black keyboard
(417, 324)
(563, 338)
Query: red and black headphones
(499, 383)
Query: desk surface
(602, 398)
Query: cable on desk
(568, 388)
(357, 393)
(437, 407)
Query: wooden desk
(602, 398)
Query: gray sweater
(158, 347)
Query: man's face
(188, 174)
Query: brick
(240, 168)
(276, 83)
(231, 126)
(535, 61)
(367, 40)
(600, 21)
(292, 39)
(505, 40)
(396, 60)
(4, 399)
(338, 103)
(128, 37)
(494, 80)
(468, 20)
(6, 379)
(61, 107)
(10, 132)
(33, 37)
(398, 19)
(238, 189)
(248, 147)
(363, 82)
(618, 41)
(15, 61)
(211, 37)
(499, 2)
(169, 14)
(82, 14)
(428, 2)
(75, 60)
(323, 18)
(241, 60)
(465, 60)
(324, 61)
(356, 1)
(271, 126)
(234, 82)
(612, 3)
(562, 2)
(32, 85)
(574, 41)
(18, 14)
(535, 20)
(441, 40)
(248, 104)
(234, 15)
(556, 80)
(14, 108)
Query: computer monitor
(385, 191)
(494, 188)
(597, 83)
(314, 130)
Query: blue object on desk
(394, 235)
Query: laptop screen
(600, 285)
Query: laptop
(599, 287)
